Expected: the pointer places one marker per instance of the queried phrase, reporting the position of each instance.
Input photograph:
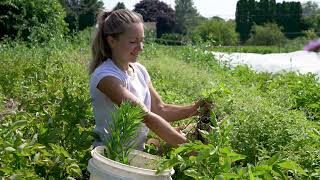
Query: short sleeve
(104, 71)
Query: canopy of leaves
(81, 13)
(187, 16)
(32, 20)
(152, 9)
(311, 13)
(120, 5)
(165, 24)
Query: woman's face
(127, 46)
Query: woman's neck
(122, 66)
(125, 67)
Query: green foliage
(311, 12)
(123, 131)
(217, 32)
(152, 9)
(286, 14)
(172, 39)
(262, 110)
(268, 34)
(187, 16)
(303, 89)
(81, 14)
(120, 5)
(267, 124)
(32, 20)
(165, 24)
(311, 34)
(49, 134)
(243, 23)
(217, 160)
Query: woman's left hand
(203, 106)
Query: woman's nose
(140, 46)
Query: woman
(116, 76)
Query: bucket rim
(96, 154)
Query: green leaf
(267, 176)
(233, 156)
(277, 170)
(263, 168)
(292, 166)
(19, 124)
(273, 159)
(230, 175)
(204, 133)
(9, 149)
(192, 173)
(251, 176)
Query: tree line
(41, 20)
(287, 15)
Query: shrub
(32, 20)
(172, 39)
(218, 32)
(267, 34)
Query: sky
(223, 8)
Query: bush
(32, 20)
(172, 39)
(268, 34)
(217, 32)
(311, 34)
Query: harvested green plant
(126, 121)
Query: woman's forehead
(134, 30)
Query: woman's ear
(110, 41)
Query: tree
(216, 18)
(290, 18)
(152, 9)
(310, 8)
(164, 25)
(81, 13)
(159, 12)
(120, 5)
(186, 16)
(286, 14)
(311, 15)
(32, 20)
(243, 20)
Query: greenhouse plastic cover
(299, 61)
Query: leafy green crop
(123, 131)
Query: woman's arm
(168, 111)
(113, 88)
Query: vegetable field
(264, 126)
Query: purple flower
(313, 46)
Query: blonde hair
(112, 24)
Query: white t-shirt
(136, 83)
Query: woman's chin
(134, 59)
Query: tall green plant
(123, 131)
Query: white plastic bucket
(102, 168)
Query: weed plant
(123, 131)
